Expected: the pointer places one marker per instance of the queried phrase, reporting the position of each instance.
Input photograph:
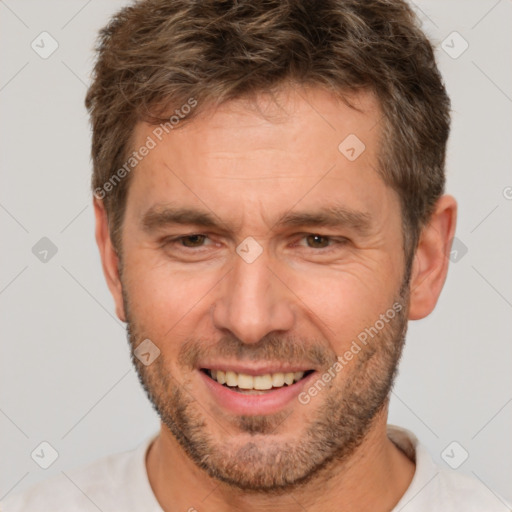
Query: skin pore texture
(298, 305)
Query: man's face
(269, 287)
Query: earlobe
(109, 257)
(430, 265)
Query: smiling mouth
(255, 384)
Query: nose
(252, 301)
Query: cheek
(343, 303)
(339, 301)
(163, 297)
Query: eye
(317, 241)
(192, 241)
(323, 243)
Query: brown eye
(192, 240)
(317, 241)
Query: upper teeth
(267, 381)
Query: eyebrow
(161, 216)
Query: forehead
(289, 114)
(265, 154)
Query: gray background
(65, 372)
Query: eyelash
(335, 241)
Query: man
(268, 188)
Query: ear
(430, 265)
(109, 257)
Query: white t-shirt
(119, 483)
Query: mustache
(270, 348)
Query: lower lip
(268, 403)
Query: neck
(374, 478)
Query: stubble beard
(264, 461)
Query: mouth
(255, 384)
(255, 392)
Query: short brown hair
(155, 55)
